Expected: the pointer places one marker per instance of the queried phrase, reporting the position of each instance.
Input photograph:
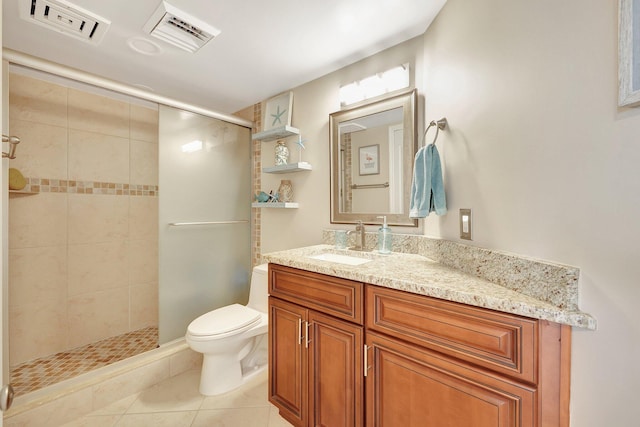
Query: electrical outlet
(465, 224)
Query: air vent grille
(178, 28)
(66, 18)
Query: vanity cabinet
(316, 348)
(423, 361)
(434, 362)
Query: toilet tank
(259, 290)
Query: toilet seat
(229, 320)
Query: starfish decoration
(301, 142)
(277, 116)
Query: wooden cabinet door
(288, 373)
(335, 372)
(409, 386)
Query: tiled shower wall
(83, 250)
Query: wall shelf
(277, 205)
(289, 167)
(22, 193)
(276, 133)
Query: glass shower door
(204, 213)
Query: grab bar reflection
(359, 186)
(180, 224)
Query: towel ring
(440, 125)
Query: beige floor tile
(166, 419)
(252, 394)
(236, 417)
(117, 408)
(95, 421)
(129, 383)
(176, 402)
(275, 420)
(56, 413)
(179, 393)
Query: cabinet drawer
(500, 342)
(331, 295)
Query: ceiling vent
(178, 28)
(66, 18)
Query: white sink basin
(340, 259)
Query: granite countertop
(420, 275)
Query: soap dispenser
(384, 237)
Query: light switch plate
(465, 224)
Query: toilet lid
(223, 320)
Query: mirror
(372, 152)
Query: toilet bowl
(233, 339)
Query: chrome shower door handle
(6, 397)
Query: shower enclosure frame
(30, 62)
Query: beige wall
(312, 104)
(549, 164)
(83, 251)
(537, 148)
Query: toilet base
(223, 372)
(218, 378)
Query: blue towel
(427, 190)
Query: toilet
(233, 339)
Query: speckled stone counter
(421, 275)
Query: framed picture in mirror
(369, 160)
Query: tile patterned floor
(176, 402)
(45, 371)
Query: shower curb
(73, 398)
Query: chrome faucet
(359, 231)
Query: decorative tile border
(256, 214)
(46, 185)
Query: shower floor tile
(38, 373)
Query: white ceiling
(265, 47)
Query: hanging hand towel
(427, 189)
